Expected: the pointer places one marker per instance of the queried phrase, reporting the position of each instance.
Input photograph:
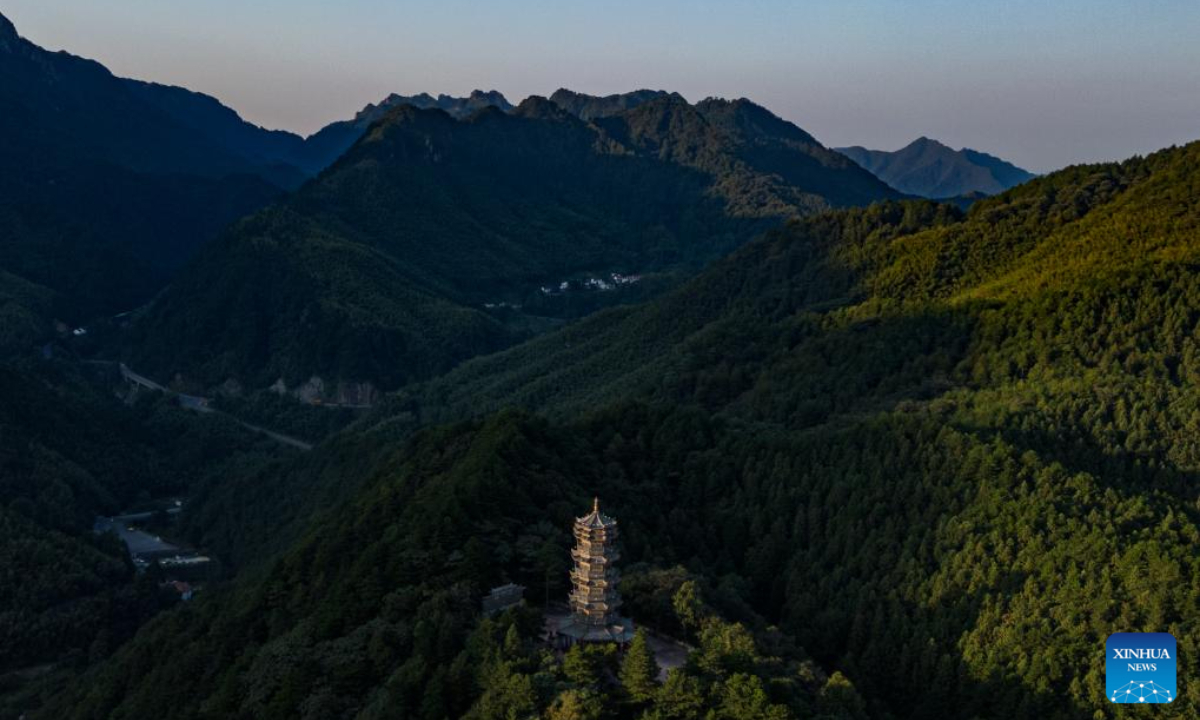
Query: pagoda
(594, 598)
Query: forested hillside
(103, 195)
(434, 240)
(945, 454)
(374, 614)
(985, 426)
(69, 451)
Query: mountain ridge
(142, 189)
(281, 153)
(78, 106)
(590, 107)
(330, 142)
(486, 212)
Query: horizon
(1123, 80)
(1011, 91)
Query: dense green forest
(70, 451)
(375, 611)
(883, 462)
(434, 239)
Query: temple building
(594, 598)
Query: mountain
(905, 442)
(930, 169)
(104, 195)
(590, 107)
(854, 266)
(78, 108)
(907, 356)
(768, 165)
(457, 107)
(279, 155)
(436, 239)
(328, 143)
(1005, 173)
(284, 157)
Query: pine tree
(689, 608)
(681, 697)
(839, 699)
(579, 668)
(639, 670)
(576, 705)
(743, 697)
(513, 647)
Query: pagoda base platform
(567, 630)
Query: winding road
(203, 405)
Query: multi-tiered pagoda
(594, 597)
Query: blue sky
(1042, 83)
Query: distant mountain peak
(669, 103)
(590, 107)
(717, 101)
(927, 144)
(412, 114)
(536, 106)
(641, 93)
(492, 97)
(458, 107)
(930, 168)
(397, 99)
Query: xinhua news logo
(1140, 667)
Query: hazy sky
(1042, 83)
